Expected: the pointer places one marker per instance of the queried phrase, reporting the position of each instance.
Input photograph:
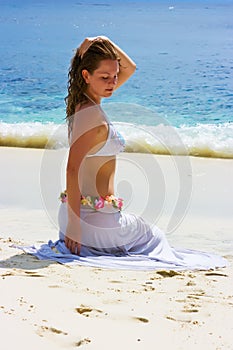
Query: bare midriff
(97, 176)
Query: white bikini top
(114, 143)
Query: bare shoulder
(89, 114)
(88, 118)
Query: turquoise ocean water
(180, 100)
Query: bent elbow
(132, 69)
(134, 66)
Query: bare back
(96, 173)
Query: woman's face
(103, 80)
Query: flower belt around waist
(96, 202)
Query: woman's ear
(85, 75)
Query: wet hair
(99, 50)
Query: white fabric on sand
(122, 241)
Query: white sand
(45, 305)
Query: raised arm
(127, 65)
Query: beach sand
(45, 305)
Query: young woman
(92, 223)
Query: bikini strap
(90, 99)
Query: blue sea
(180, 99)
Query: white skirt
(113, 233)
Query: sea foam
(203, 140)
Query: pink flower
(120, 203)
(99, 203)
(63, 197)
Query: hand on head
(88, 42)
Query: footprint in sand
(170, 318)
(59, 336)
(216, 274)
(82, 342)
(87, 310)
(189, 310)
(170, 273)
(32, 274)
(141, 319)
(115, 281)
(44, 330)
(6, 274)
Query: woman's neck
(93, 99)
